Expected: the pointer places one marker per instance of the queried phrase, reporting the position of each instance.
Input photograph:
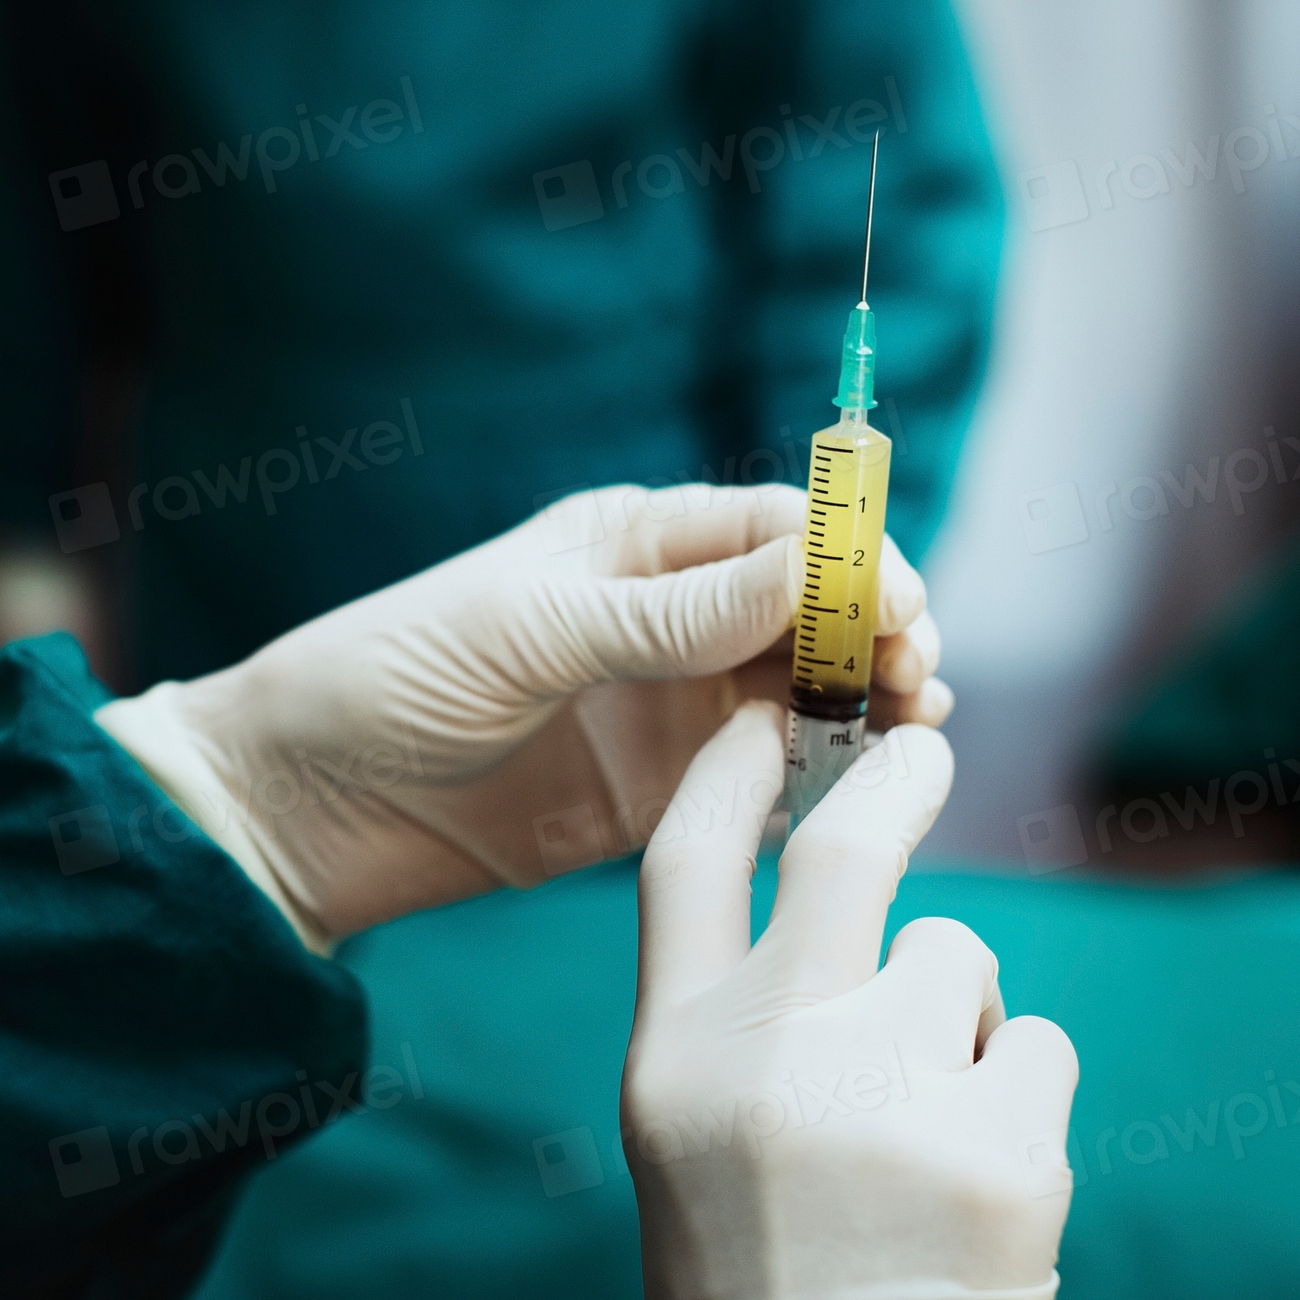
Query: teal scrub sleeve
(162, 1030)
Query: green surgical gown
(160, 1023)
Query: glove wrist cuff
(149, 727)
(939, 1289)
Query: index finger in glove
(694, 885)
(841, 867)
(701, 620)
(661, 530)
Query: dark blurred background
(1086, 274)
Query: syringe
(848, 481)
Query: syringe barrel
(835, 622)
(818, 752)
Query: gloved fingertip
(936, 702)
(927, 754)
(903, 602)
(759, 715)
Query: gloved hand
(797, 1124)
(429, 741)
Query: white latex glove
(428, 742)
(797, 1123)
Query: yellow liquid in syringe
(848, 483)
